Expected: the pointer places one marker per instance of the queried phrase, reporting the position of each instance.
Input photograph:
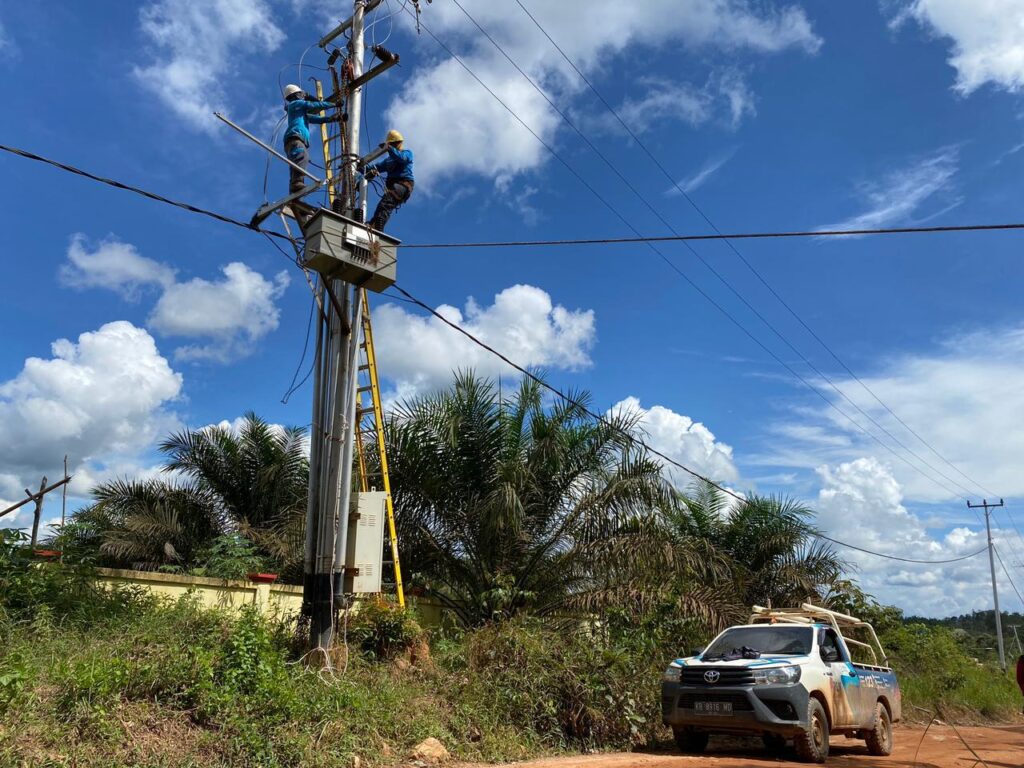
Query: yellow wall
(280, 600)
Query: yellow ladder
(368, 382)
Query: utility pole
(992, 567)
(1020, 648)
(335, 389)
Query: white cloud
(694, 182)
(861, 502)
(7, 46)
(103, 397)
(113, 264)
(420, 353)
(198, 43)
(972, 386)
(234, 312)
(455, 126)
(986, 39)
(681, 438)
(901, 192)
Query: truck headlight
(672, 674)
(777, 675)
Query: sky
(880, 380)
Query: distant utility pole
(992, 565)
(1020, 648)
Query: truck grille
(726, 676)
(740, 703)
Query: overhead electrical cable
(693, 284)
(740, 256)
(139, 191)
(409, 298)
(1008, 576)
(727, 236)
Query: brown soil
(997, 746)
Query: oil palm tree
(251, 482)
(767, 542)
(507, 504)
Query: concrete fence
(278, 600)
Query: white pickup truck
(788, 674)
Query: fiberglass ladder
(370, 419)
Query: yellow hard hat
(394, 136)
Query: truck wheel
(691, 741)
(812, 744)
(879, 738)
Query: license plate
(712, 707)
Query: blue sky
(125, 319)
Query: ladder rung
(368, 388)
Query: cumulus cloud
(860, 501)
(681, 438)
(970, 386)
(103, 397)
(985, 35)
(901, 192)
(114, 265)
(458, 127)
(420, 353)
(233, 312)
(197, 44)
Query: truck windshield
(767, 640)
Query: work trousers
(296, 151)
(394, 196)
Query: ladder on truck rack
(815, 614)
(369, 427)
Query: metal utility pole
(992, 566)
(334, 395)
(1020, 648)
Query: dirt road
(999, 747)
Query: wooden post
(38, 512)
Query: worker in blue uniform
(301, 112)
(399, 180)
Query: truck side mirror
(697, 651)
(829, 655)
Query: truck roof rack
(815, 614)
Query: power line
(409, 298)
(721, 236)
(693, 204)
(1010, 578)
(725, 282)
(139, 191)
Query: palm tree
(768, 543)
(508, 505)
(251, 483)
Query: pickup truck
(788, 674)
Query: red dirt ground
(998, 746)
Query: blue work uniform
(296, 136)
(398, 183)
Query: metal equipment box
(365, 546)
(345, 249)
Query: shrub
(384, 630)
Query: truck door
(844, 680)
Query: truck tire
(879, 738)
(812, 744)
(688, 740)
